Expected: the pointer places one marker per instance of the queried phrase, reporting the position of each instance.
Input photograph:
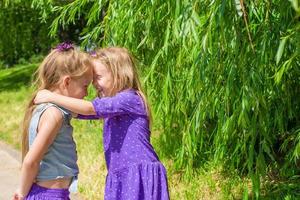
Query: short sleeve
(125, 102)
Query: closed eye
(97, 77)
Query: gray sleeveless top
(60, 160)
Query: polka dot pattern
(134, 170)
(137, 182)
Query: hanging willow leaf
(295, 5)
(238, 7)
(280, 50)
(283, 69)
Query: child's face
(102, 80)
(78, 87)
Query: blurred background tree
(22, 33)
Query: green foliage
(223, 76)
(22, 33)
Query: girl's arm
(87, 117)
(49, 124)
(78, 106)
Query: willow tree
(223, 76)
(22, 33)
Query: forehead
(99, 67)
(86, 77)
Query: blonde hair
(56, 64)
(120, 62)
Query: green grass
(14, 90)
(211, 181)
(17, 77)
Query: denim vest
(60, 160)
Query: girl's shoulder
(128, 95)
(52, 112)
(41, 108)
(127, 92)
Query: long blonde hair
(57, 63)
(120, 62)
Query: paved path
(9, 171)
(10, 164)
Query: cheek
(83, 90)
(73, 89)
(110, 83)
(97, 82)
(80, 90)
(82, 93)
(102, 83)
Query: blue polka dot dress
(134, 170)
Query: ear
(66, 81)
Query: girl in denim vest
(48, 150)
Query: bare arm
(49, 125)
(78, 106)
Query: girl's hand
(18, 196)
(43, 96)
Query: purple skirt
(41, 193)
(142, 181)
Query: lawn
(209, 182)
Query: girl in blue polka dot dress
(134, 170)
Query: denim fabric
(60, 161)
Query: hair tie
(65, 46)
(93, 53)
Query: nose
(94, 82)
